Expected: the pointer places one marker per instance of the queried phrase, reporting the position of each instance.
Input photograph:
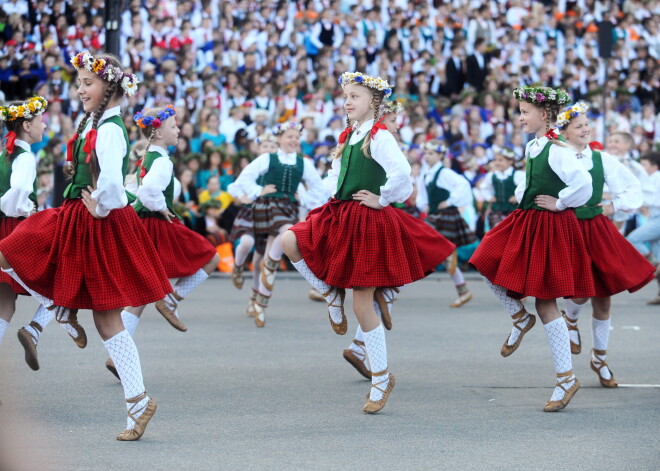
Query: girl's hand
(368, 199)
(443, 205)
(513, 199)
(245, 199)
(168, 215)
(268, 189)
(90, 203)
(547, 202)
(608, 208)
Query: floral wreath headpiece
(154, 121)
(28, 110)
(564, 117)
(284, 127)
(375, 83)
(541, 95)
(439, 148)
(265, 137)
(507, 153)
(108, 72)
(394, 106)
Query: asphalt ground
(234, 397)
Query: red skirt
(617, 265)
(81, 262)
(182, 251)
(7, 226)
(537, 253)
(348, 245)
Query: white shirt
(621, 183)
(562, 161)
(246, 183)
(486, 188)
(159, 176)
(460, 193)
(652, 190)
(110, 149)
(385, 151)
(16, 202)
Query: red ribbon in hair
(143, 171)
(551, 134)
(10, 140)
(69, 147)
(377, 125)
(90, 144)
(344, 134)
(595, 145)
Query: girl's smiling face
(432, 157)
(357, 103)
(91, 89)
(578, 131)
(389, 120)
(289, 140)
(532, 118)
(169, 132)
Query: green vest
(435, 193)
(286, 178)
(540, 180)
(364, 173)
(83, 177)
(5, 176)
(591, 209)
(504, 189)
(141, 209)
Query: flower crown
(439, 148)
(394, 106)
(266, 137)
(108, 72)
(284, 127)
(541, 95)
(375, 83)
(506, 153)
(153, 121)
(28, 110)
(564, 117)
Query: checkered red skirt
(243, 224)
(81, 262)
(348, 245)
(7, 226)
(537, 253)
(617, 265)
(182, 251)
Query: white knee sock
(377, 351)
(130, 321)
(560, 348)
(4, 325)
(185, 285)
(323, 288)
(601, 336)
(243, 249)
(275, 252)
(358, 333)
(511, 306)
(125, 356)
(572, 313)
(457, 277)
(42, 299)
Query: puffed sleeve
(625, 187)
(316, 193)
(150, 192)
(385, 150)
(579, 187)
(460, 193)
(16, 201)
(422, 200)
(110, 149)
(246, 183)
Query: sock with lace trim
(323, 288)
(130, 321)
(601, 335)
(376, 347)
(511, 306)
(184, 286)
(560, 347)
(41, 299)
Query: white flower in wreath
(129, 85)
(13, 109)
(88, 62)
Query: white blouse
(460, 192)
(150, 191)
(385, 151)
(16, 201)
(110, 149)
(486, 188)
(652, 190)
(562, 161)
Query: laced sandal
(140, 422)
(598, 365)
(576, 348)
(260, 305)
(268, 271)
(167, 306)
(357, 359)
(451, 263)
(251, 311)
(64, 315)
(237, 277)
(462, 298)
(314, 295)
(554, 406)
(384, 301)
(374, 406)
(518, 319)
(342, 327)
(29, 342)
(110, 365)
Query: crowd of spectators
(233, 69)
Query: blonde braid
(376, 101)
(94, 167)
(336, 153)
(146, 149)
(70, 170)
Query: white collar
(159, 149)
(291, 155)
(435, 168)
(23, 145)
(586, 152)
(365, 127)
(540, 141)
(505, 174)
(110, 112)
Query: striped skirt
(496, 217)
(452, 226)
(271, 214)
(243, 223)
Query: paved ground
(233, 397)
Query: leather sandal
(260, 305)
(576, 348)
(65, 315)
(598, 365)
(268, 271)
(554, 406)
(518, 319)
(140, 422)
(357, 359)
(237, 277)
(110, 365)
(384, 300)
(374, 406)
(339, 293)
(29, 342)
(167, 306)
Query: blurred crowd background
(233, 69)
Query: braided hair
(16, 125)
(149, 131)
